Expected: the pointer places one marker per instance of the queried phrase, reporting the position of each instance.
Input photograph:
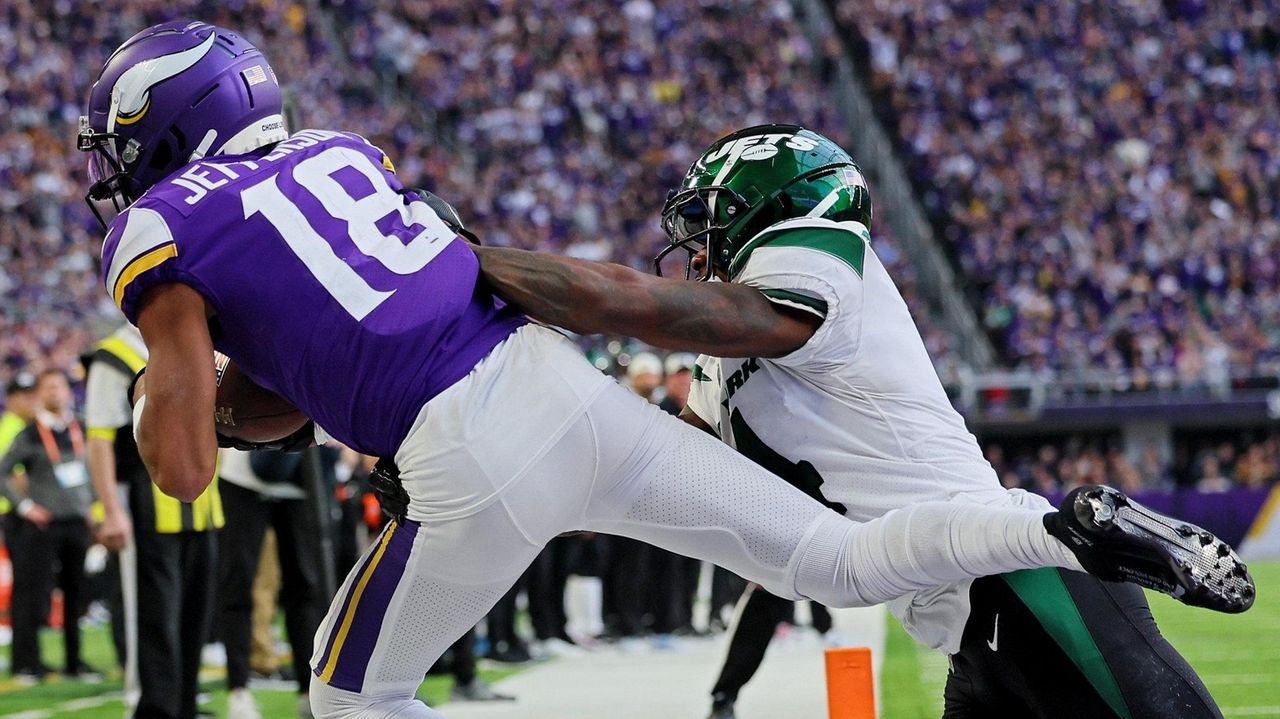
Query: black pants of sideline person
(43, 556)
(757, 620)
(547, 577)
(175, 606)
(240, 546)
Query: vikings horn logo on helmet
(172, 94)
(131, 96)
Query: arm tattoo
(543, 286)
(722, 319)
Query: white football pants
(536, 442)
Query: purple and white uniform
(331, 287)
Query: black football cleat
(1119, 540)
(722, 712)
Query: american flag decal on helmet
(255, 75)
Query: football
(243, 410)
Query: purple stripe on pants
(366, 625)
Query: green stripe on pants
(1045, 594)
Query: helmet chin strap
(204, 145)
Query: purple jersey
(332, 289)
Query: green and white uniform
(858, 419)
(857, 414)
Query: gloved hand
(446, 212)
(384, 480)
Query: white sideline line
(1271, 711)
(73, 705)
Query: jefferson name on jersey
(312, 249)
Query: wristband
(25, 506)
(133, 384)
(137, 415)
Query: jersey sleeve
(139, 253)
(704, 391)
(814, 266)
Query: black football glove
(384, 480)
(446, 212)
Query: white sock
(920, 546)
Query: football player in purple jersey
(303, 258)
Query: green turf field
(1237, 656)
(57, 699)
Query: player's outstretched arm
(716, 318)
(175, 432)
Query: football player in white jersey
(854, 415)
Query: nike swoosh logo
(995, 634)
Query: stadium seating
(559, 129)
(1105, 173)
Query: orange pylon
(851, 689)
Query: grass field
(1238, 657)
(57, 699)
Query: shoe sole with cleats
(1119, 539)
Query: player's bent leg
(1151, 677)
(1061, 645)
(681, 490)
(416, 590)
(494, 467)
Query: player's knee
(332, 703)
(825, 572)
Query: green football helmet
(754, 178)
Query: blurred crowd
(1105, 173)
(1054, 467)
(555, 125)
(54, 304)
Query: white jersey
(857, 415)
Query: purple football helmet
(170, 95)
